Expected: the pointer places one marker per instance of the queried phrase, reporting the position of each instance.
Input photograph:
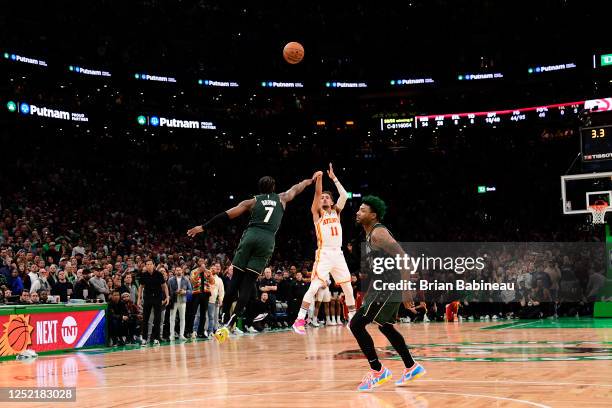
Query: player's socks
(374, 379)
(333, 320)
(302, 313)
(299, 326)
(328, 321)
(410, 374)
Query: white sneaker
(251, 329)
(143, 342)
(156, 342)
(334, 322)
(494, 317)
(182, 338)
(425, 319)
(194, 335)
(238, 331)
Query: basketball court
(537, 363)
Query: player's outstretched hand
(195, 231)
(330, 172)
(316, 175)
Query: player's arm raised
(315, 208)
(342, 195)
(296, 189)
(233, 212)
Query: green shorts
(254, 250)
(380, 308)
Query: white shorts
(323, 295)
(332, 261)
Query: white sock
(302, 313)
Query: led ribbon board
(25, 60)
(498, 117)
(88, 71)
(413, 81)
(161, 121)
(274, 84)
(550, 68)
(26, 109)
(217, 84)
(476, 77)
(336, 84)
(155, 78)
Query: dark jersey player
(256, 245)
(380, 307)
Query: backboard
(578, 191)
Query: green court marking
(561, 323)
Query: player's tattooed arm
(315, 209)
(296, 189)
(342, 194)
(233, 212)
(382, 239)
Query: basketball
(17, 334)
(293, 52)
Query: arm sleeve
(342, 195)
(222, 216)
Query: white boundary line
(185, 384)
(219, 397)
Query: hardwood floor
(466, 367)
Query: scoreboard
(596, 143)
(556, 111)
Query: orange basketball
(293, 52)
(17, 334)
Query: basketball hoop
(598, 211)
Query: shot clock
(596, 143)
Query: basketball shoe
(298, 326)
(410, 374)
(375, 379)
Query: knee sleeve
(309, 297)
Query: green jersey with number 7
(267, 213)
(257, 243)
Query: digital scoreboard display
(596, 143)
(492, 118)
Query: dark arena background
(125, 124)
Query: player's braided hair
(377, 205)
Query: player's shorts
(380, 308)
(331, 261)
(323, 295)
(254, 250)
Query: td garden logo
(16, 335)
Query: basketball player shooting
(379, 307)
(256, 245)
(329, 257)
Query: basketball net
(598, 211)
